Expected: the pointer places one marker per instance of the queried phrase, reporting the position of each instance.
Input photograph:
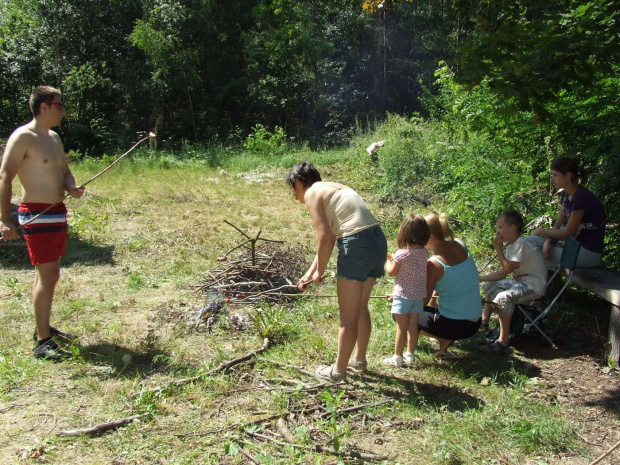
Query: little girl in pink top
(408, 266)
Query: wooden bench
(605, 283)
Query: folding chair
(568, 261)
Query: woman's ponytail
(439, 226)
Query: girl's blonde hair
(439, 226)
(413, 231)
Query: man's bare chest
(43, 153)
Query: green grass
(142, 239)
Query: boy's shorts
(46, 236)
(402, 306)
(506, 293)
(362, 255)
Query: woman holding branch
(339, 215)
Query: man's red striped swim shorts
(46, 236)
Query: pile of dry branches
(255, 271)
(258, 272)
(270, 277)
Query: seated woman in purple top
(581, 215)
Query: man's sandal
(47, 349)
(496, 347)
(57, 333)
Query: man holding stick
(35, 154)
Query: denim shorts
(362, 255)
(402, 306)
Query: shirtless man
(35, 154)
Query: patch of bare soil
(577, 378)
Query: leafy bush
(262, 141)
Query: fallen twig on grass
(102, 428)
(286, 365)
(249, 457)
(606, 454)
(231, 427)
(299, 385)
(283, 430)
(222, 367)
(357, 407)
(320, 448)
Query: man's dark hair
(42, 94)
(303, 172)
(512, 217)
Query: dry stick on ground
(223, 367)
(357, 407)
(282, 428)
(231, 427)
(320, 448)
(249, 457)
(606, 454)
(296, 382)
(102, 428)
(286, 365)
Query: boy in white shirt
(529, 273)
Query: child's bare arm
(496, 276)
(391, 267)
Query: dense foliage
(197, 70)
(478, 95)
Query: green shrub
(264, 142)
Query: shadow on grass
(609, 401)
(123, 362)
(15, 255)
(577, 325)
(439, 396)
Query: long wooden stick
(102, 428)
(150, 136)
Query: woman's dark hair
(414, 230)
(569, 165)
(303, 172)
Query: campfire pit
(250, 273)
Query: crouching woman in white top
(339, 215)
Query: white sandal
(394, 360)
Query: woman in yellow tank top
(340, 216)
